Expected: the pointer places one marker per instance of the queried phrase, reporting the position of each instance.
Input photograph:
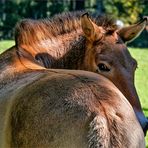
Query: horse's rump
(71, 109)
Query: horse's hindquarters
(71, 110)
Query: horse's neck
(11, 66)
(73, 58)
(7, 59)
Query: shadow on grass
(145, 109)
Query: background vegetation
(11, 11)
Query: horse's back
(71, 109)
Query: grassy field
(141, 55)
(5, 45)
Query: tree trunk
(80, 5)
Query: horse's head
(107, 54)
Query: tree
(13, 10)
(127, 11)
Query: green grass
(5, 45)
(141, 79)
(141, 55)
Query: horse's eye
(103, 67)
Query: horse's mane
(36, 39)
(29, 31)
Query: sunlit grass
(141, 79)
(141, 55)
(5, 45)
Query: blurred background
(127, 11)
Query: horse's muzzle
(145, 128)
(142, 120)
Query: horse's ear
(131, 32)
(90, 29)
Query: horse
(70, 43)
(69, 82)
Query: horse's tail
(99, 134)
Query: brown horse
(65, 42)
(63, 108)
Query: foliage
(127, 11)
(13, 10)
